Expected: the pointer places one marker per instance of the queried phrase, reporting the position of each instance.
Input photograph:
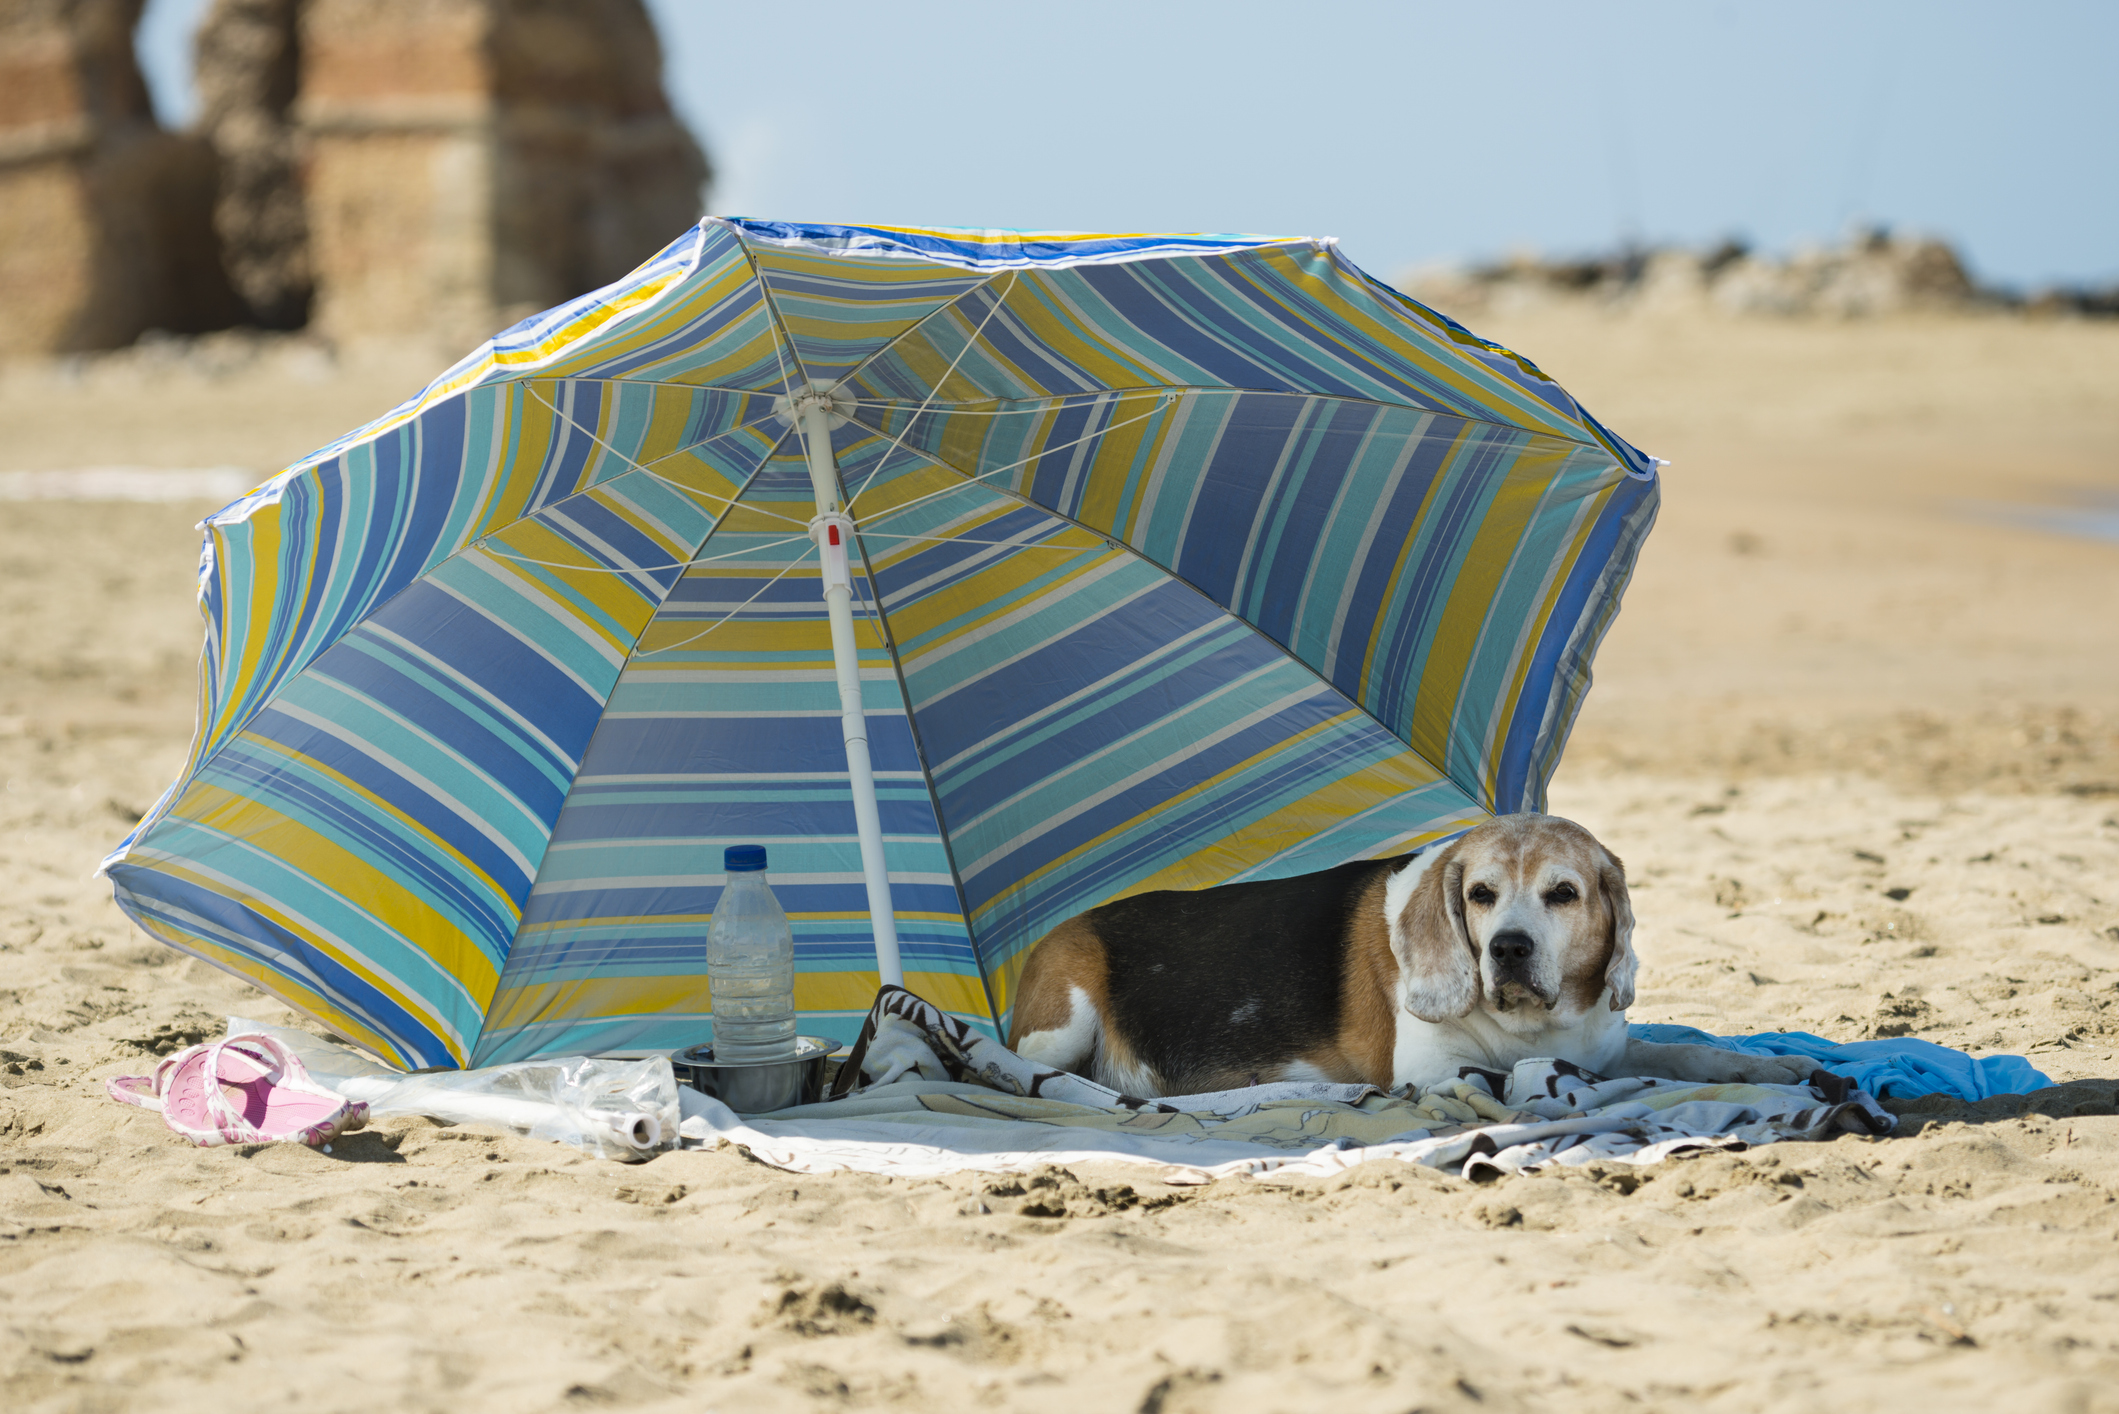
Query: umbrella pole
(833, 532)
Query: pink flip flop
(134, 1090)
(146, 1090)
(244, 1090)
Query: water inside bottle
(750, 964)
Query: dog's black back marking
(1240, 975)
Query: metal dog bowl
(757, 1087)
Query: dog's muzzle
(1513, 950)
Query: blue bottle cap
(743, 858)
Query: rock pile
(359, 167)
(1876, 272)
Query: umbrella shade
(1177, 560)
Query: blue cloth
(1901, 1067)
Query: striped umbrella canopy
(1166, 561)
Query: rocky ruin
(472, 161)
(248, 71)
(363, 168)
(106, 221)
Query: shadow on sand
(2072, 1100)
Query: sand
(1856, 736)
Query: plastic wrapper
(613, 1109)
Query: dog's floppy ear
(1444, 975)
(1619, 975)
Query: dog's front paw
(1776, 1070)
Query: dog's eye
(1481, 895)
(1561, 893)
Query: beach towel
(1900, 1067)
(942, 1098)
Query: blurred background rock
(106, 220)
(358, 168)
(1875, 271)
(420, 173)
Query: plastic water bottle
(750, 965)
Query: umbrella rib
(1177, 578)
(674, 564)
(786, 337)
(636, 652)
(969, 478)
(647, 569)
(792, 565)
(1170, 397)
(641, 383)
(687, 447)
(947, 374)
(643, 469)
(779, 320)
(1173, 389)
(959, 540)
(1181, 390)
(937, 312)
(481, 544)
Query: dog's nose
(1511, 946)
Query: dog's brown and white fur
(1512, 942)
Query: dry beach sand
(1856, 735)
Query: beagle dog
(1514, 941)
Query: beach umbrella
(984, 577)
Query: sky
(1417, 133)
